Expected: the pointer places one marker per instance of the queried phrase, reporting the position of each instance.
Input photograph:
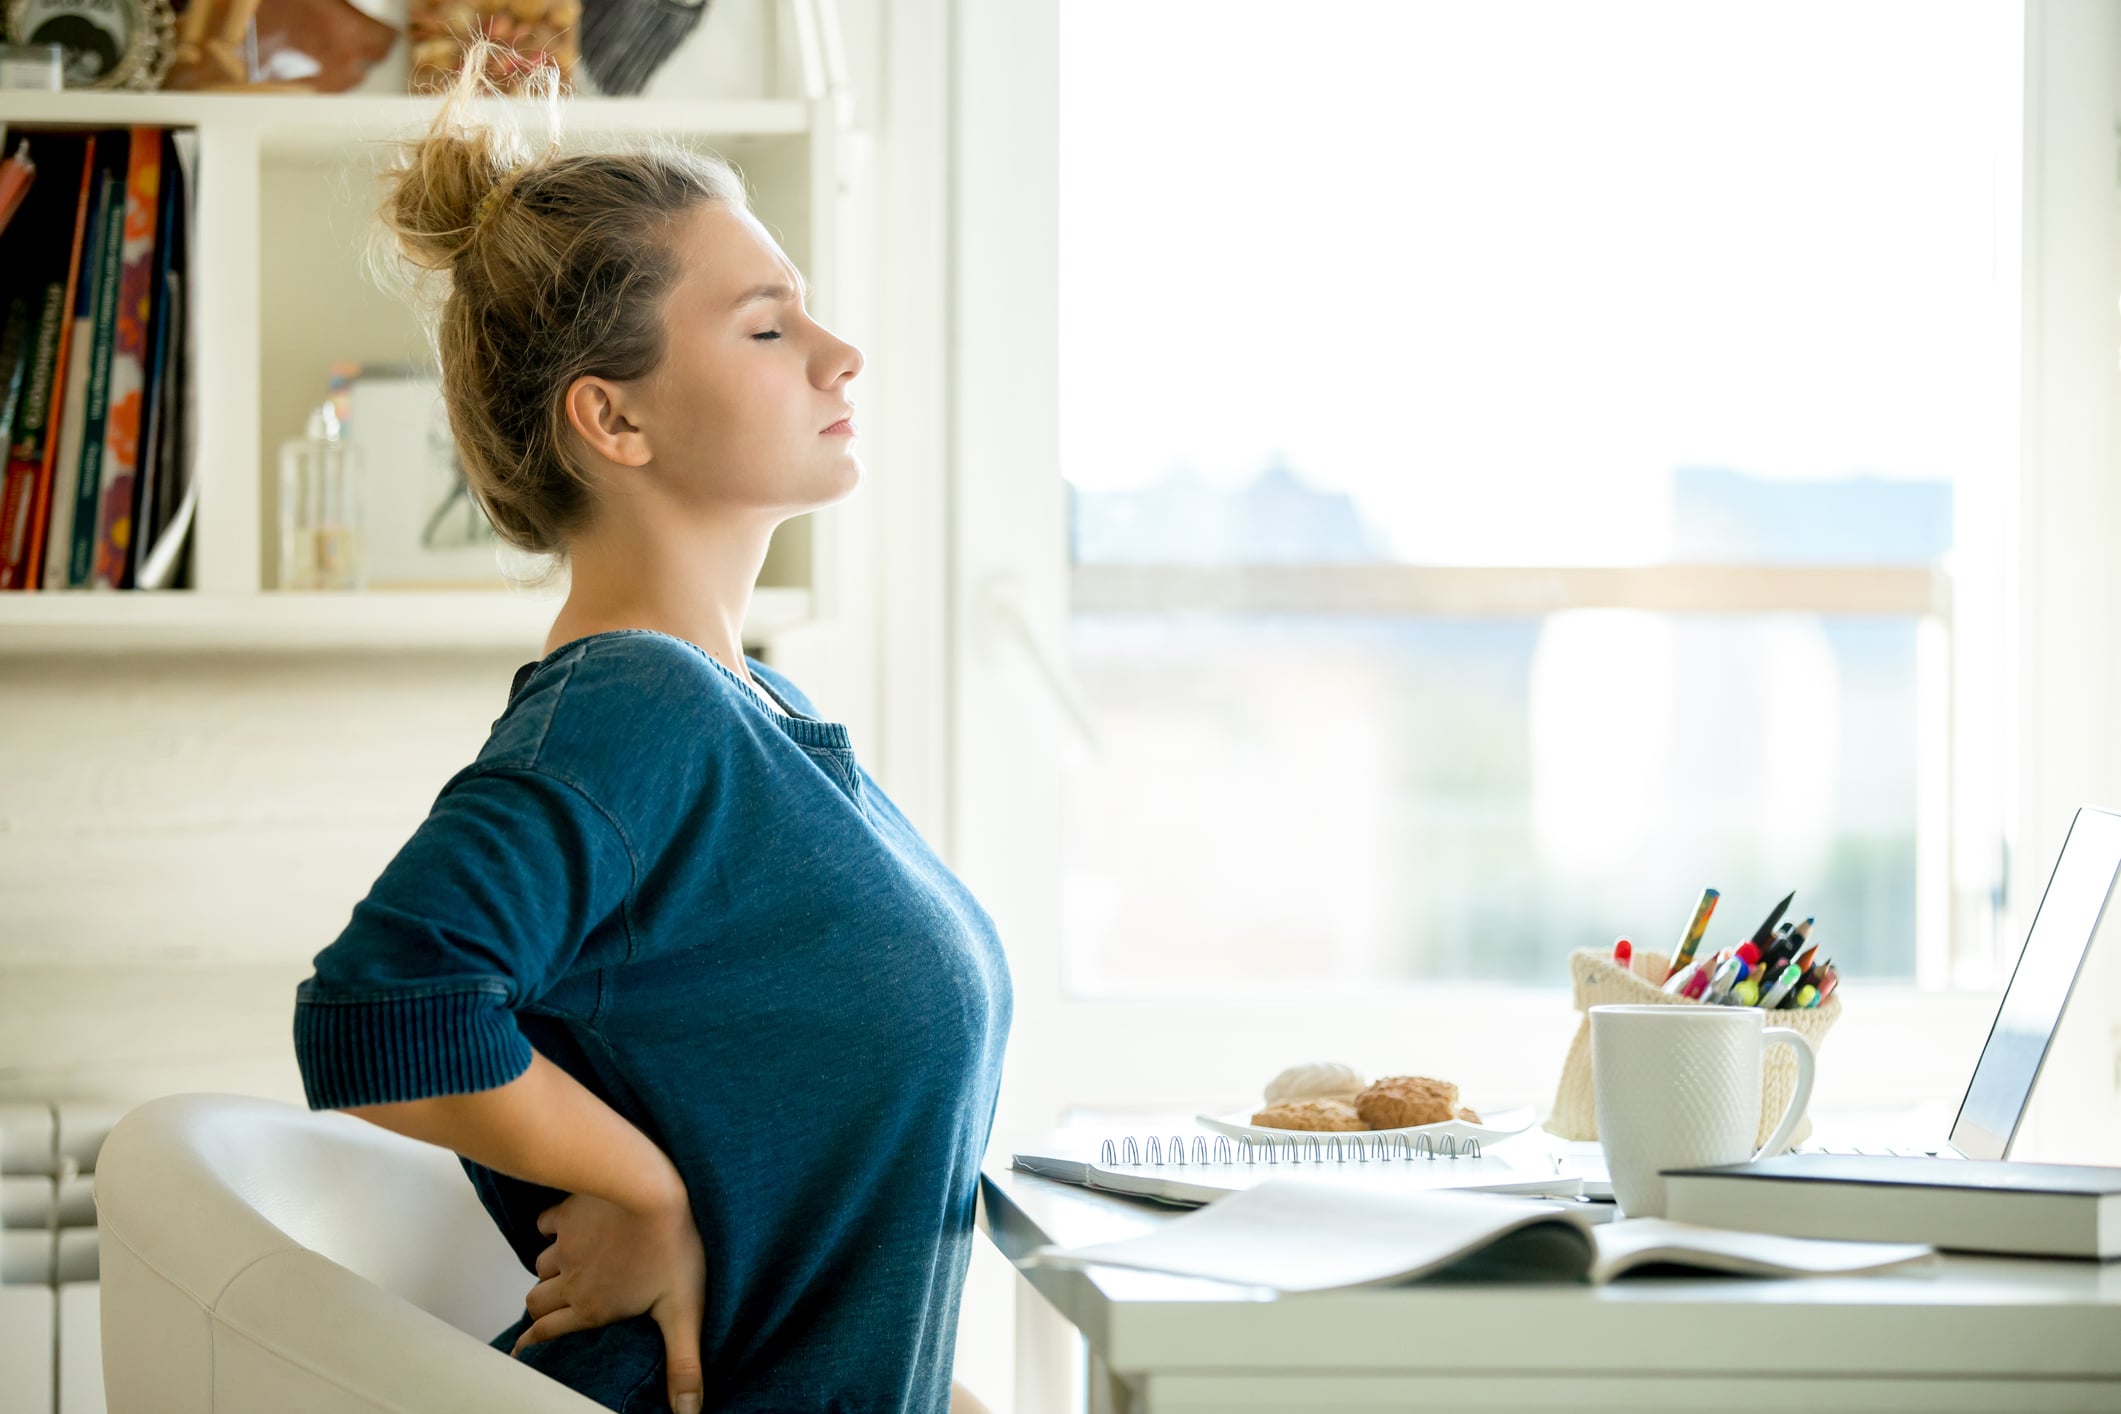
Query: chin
(843, 482)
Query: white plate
(1502, 1126)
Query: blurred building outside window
(1526, 463)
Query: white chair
(260, 1258)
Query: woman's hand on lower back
(608, 1263)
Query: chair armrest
(297, 1331)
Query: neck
(690, 578)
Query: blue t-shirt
(711, 916)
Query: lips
(845, 424)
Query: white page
(1297, 1234)
(1634, 1241)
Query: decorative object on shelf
(531, 33)
(107, 43)
(423, 529)
(625, 41)
(276, 46)
(320, 507)
(32, 66)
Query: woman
(717, 1036)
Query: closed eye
(769, 334)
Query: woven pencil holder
(1600, 982)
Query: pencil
(1685, 952)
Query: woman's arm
(543, 1127)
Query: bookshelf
(285, 190)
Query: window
(1524, 464)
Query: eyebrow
(762, 292)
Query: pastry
(1469, 1114)
(1314, 1080)
(1402, 1101)
(1310, 1114)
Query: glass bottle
(320, 507)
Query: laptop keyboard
(1891, 1150)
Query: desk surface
(1978, 1318)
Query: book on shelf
(110, 539)
(15, 352)
(41, 250)
(78, 552)
(97, 489)
(72, 413)
(169, 495)
(160, 430)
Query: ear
(600, 411)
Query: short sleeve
(482, 910)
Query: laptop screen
(2040, 986)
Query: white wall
(180, 835)
(2069, 616)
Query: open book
(1296, 1235)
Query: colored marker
(1746, 993)
(1807, 996)
(1623, 954)
(1680, 982)
(1684, 953)
(1784, 985)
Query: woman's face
(736, 416)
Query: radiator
(51, 1357)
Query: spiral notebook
(1190, 1170)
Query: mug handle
(1794, 1111)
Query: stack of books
(96, 415)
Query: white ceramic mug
(1679, 1087)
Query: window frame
(1008, 592)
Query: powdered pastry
(1314, 1080)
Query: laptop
(2026, 1018)
(2018, 1039)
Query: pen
(1684, 953)
(1767, 929)
(1784, 985)
(1727, 974)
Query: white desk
(1970, 1333)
